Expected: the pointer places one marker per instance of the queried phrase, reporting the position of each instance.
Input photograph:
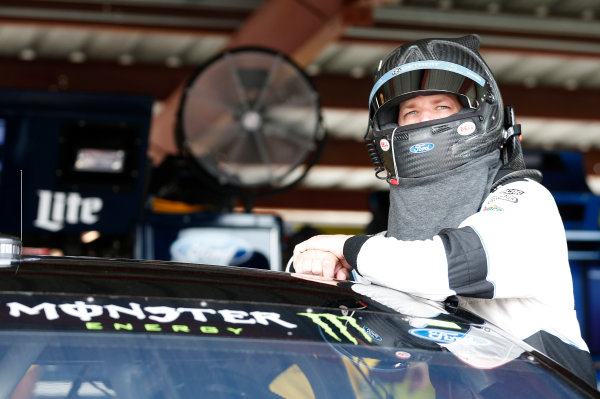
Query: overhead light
(126, 59)
(77, 57)
(313, 70)
(571, 84)
(530, 82)
(173, 61)
(357, 72)
(27, 54)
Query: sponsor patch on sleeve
(492, 208)
(512, 191)
(504, 197)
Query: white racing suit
(507, 263)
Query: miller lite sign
(56, 208)
(72, 162)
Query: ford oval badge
(434, 334)
(421, 148)
(372, 333)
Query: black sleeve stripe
(467, 263)
(352, 248)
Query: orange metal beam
(299, 29)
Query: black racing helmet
(427, 67)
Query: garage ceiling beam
(336, 91)
(123, 16)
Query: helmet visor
(427, 77)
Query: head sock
(421, 207)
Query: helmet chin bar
(401, 150)
(510, 146)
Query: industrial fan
(250, 122)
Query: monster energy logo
(340, 323)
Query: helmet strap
(511, 151)
(373, 153)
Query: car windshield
(78, 365)
(88, 348)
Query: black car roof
(100, 276)
(50, 275)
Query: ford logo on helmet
(421, 148)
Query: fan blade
(267, 86)
(197, 94)
(290, 133)
(212, 140)
(237, 80)
(290, 91)
(259, 140)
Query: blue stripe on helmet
(413, 66)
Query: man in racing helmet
(466, 217)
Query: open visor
(421, 78)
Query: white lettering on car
(264, 317)
(198, 314)
(81, 310)
(169, 314)
(160, 314)
(49, 309)
(114, 311)
(236, 316)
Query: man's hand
(322, 255)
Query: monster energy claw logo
(341, 323)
